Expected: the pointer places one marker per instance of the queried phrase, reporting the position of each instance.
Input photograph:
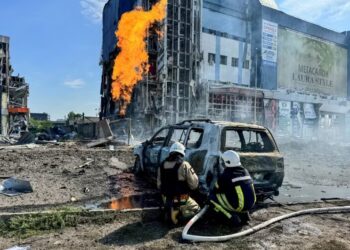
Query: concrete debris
(6, 140)
(19, 248)
(114, 162)
(99, 142)
(86, 164)
(15, 147)
(26, 138)
(14, 187)
(104, 129)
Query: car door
(153, 148)
(195, 152)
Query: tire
(137, 169)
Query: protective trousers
(244, 199)
(180, 209)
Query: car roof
(238, 124)
(188, 123)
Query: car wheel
(137, 166)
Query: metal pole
(256, 83)
(129, 131)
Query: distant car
(206, 140)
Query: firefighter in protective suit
(233, 194)
(175, 179)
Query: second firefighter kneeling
(233, 194)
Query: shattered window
(247, 141)
(256, 141)
(211, 58)
(178, 136)
(232, 141)
(160, 137)
(195, 138)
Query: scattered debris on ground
(59, 172)
(14, 187)
(69, 178)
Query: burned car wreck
(205, 141)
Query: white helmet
(231, 159)
(177, 147)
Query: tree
(73, 116)
(40, 126)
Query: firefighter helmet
(231, 159)
(177, 147)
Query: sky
(331, 14)
(56, 46)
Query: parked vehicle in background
(206, 140)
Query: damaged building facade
(14, 93)
(167, 92)
(239, 60)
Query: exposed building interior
(14, 95)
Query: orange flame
(131, 64)
(123, 203)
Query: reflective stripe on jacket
(234, 190)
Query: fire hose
(198, 238)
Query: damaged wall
(4, 81)
(14, 93)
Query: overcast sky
(56, 45)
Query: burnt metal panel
(112, 13)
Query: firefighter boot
(173, 215)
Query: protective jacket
(233, 192)
(176, 178)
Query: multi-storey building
(14, 93)
(242, 60)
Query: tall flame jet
(131, 64)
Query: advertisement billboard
(310, 64)
(269, 41)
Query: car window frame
(171, 132)
(188, 135)
(166, 137)
(267, 132)
(223, 138)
